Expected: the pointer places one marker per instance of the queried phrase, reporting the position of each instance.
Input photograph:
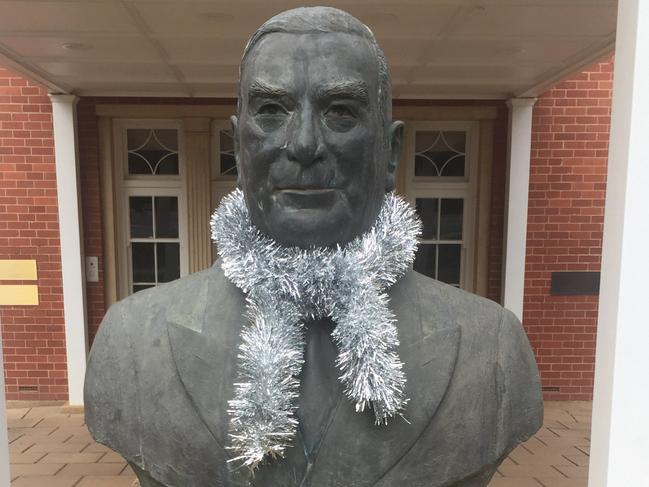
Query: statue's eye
(271, 116)
(340, 111)
(271, 109)
(340, 117)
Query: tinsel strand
(287, 286)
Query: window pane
(440, 153)
(427, 210)
(168, 261)
(450, 227)
(140, 287)
(166, 216)
(455, 140)
(152, 151)
(167, 138)
(450, 263)
(228, 163)
(168, 165)
(141, 216)
(138, 165)
(143, 262)
(454, 167)
(136, 138)
(425, 260)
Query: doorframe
(456, 187)
(160, 185)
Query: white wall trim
(4, 437)
(518, 179)
(620, 426)
(70, 226)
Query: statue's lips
(306, 198)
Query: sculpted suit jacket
(164, 362)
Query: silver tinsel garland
(286, 286)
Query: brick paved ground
(557, 456)
(51, 447)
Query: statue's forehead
(286, 57)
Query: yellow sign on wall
(18, 294)
(17, 270)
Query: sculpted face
(314, 156)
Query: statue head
(315, 143)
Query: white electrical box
(92, 269)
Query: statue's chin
(308, 228)
(310, 219)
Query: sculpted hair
(313, 20)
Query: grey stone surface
(316, 150)
(163, 366)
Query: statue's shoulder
(147, 375)
(493, 372)
(181, 293)
(493, 350)
(439, 304)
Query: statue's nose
(304, 144)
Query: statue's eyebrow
(262, 89)
(354, 89)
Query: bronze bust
(273, 367)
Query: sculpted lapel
(353, 436)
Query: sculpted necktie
(321, 391)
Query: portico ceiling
(436, 48)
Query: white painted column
(620, 428)
(70, 225)
(4, 437)
(518, 183)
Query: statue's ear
(395, 139)
(235, 137)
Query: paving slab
(92, 469)
(71, 458)
(41, 481)
(105, 481)
(36, 469)
(510, 482)
(562, 482)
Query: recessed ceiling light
(75, 46)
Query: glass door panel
(154, 240)
(440, 252)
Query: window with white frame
(151, 203)
(441, 169)
(224, 166)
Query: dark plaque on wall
(574, 283)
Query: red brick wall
(497, 210)
(33, 336)
(91, 209)
(570, 134)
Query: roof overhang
(437, 49)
